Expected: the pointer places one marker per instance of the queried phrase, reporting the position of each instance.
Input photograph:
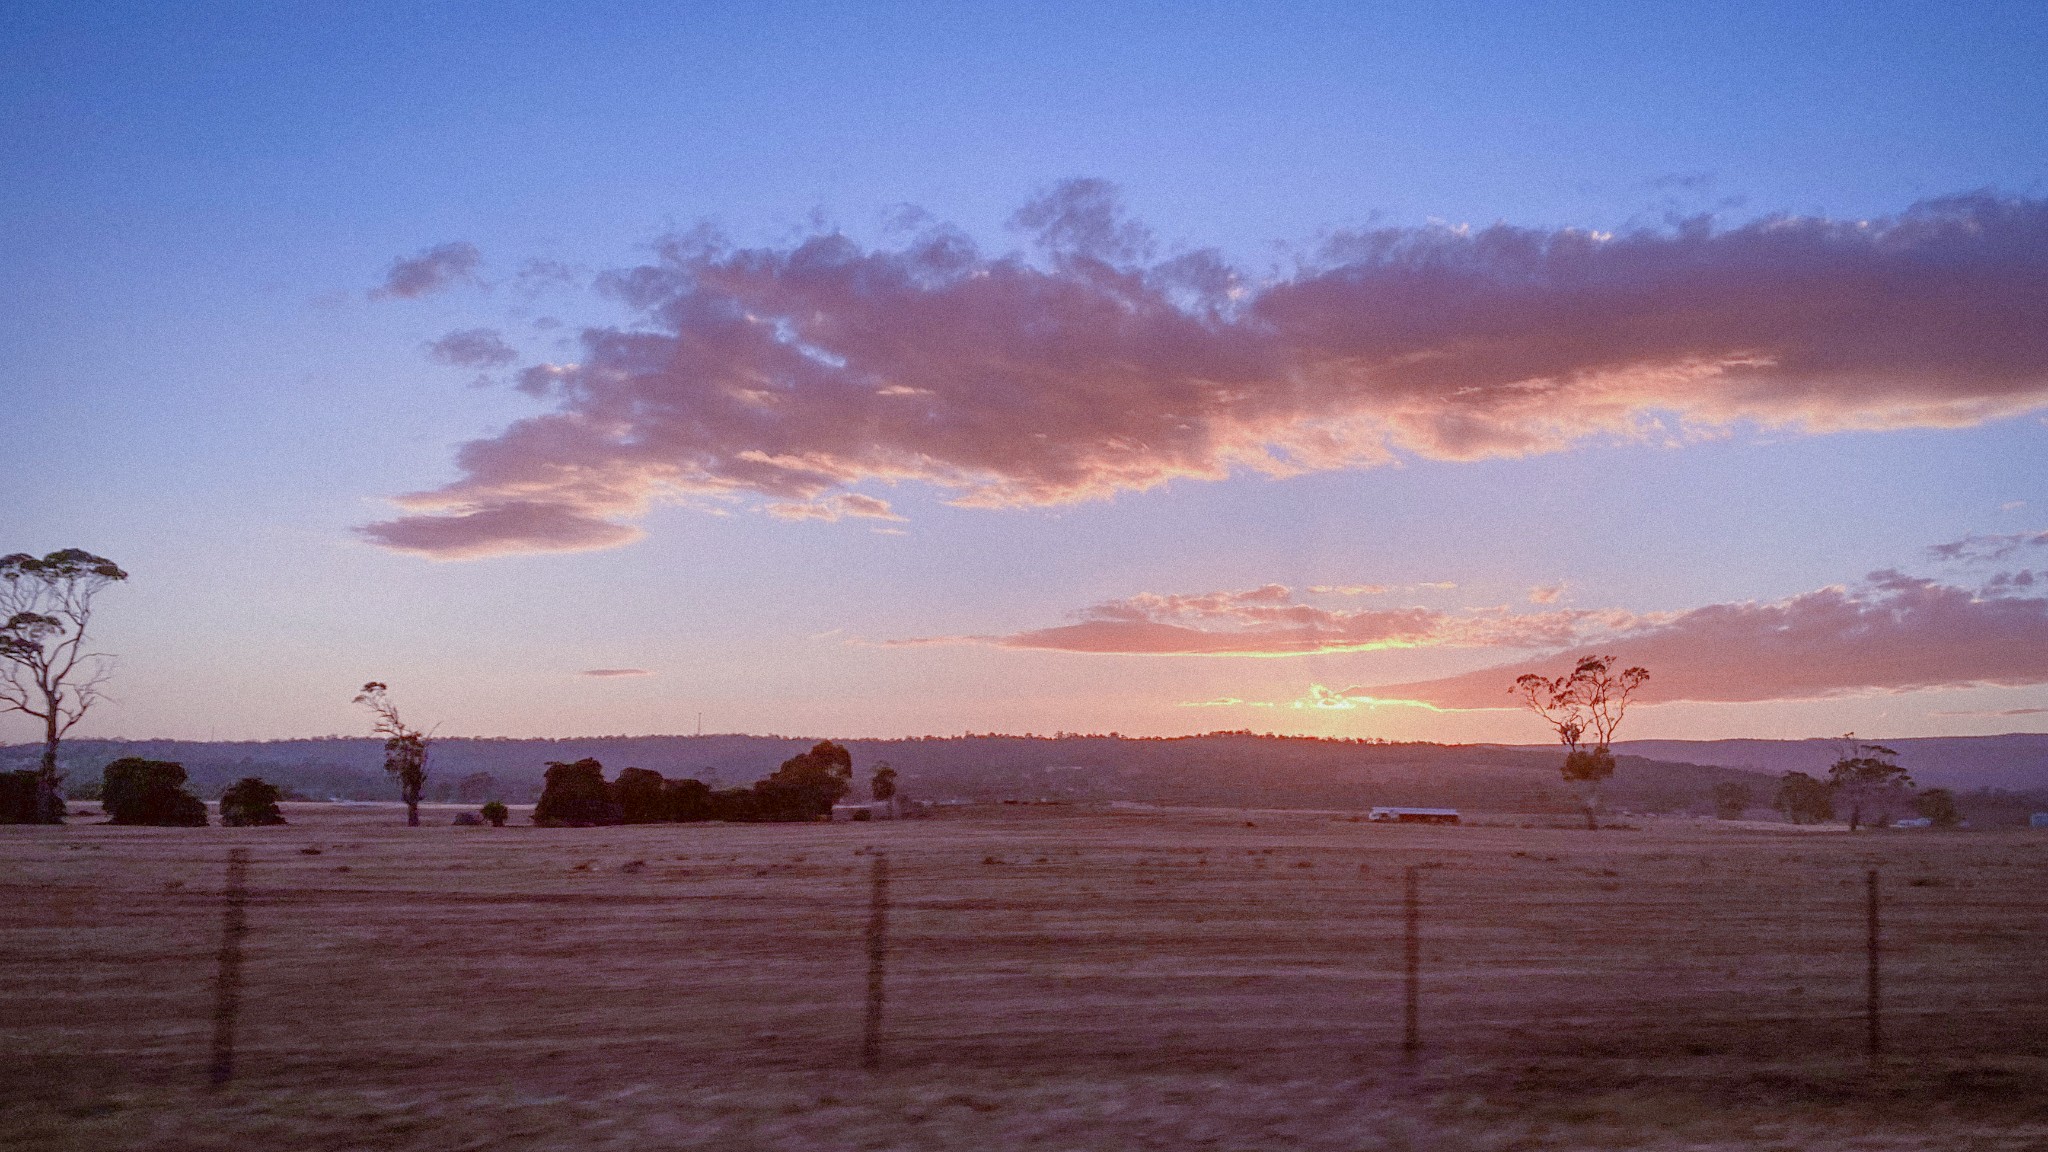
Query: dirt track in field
(1073, 980)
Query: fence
(1189, 945)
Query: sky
(886, 369)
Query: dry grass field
(1057, 979)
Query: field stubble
(1166, 979)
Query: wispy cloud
(1995, 713)
(1272, 621)
(441, 266)
(837, 506)
(472, 348)
(607, 673)
(1987, 549)
(1092, 368)
(1546, 593)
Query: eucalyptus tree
(1868, 779)
(1584, 707)
(46, 672)
(405, 747)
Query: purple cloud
(411, 277)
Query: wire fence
(633, 953)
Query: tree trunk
(412, 813)
(49, 805)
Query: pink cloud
(1546, 593)
(1271, 621)
(834, 507)
(794, 372)
(1894, 633)
(612, 673)
(498, 529)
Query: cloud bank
(1892, 633)
(1091, 368)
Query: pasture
(1056, 978)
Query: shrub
(576, 795)
(20, 800)
(149, 792)
(248, 802)
(495, 812)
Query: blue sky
(202, 198)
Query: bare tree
(1590, 701)
(45, 670)
(405, 748)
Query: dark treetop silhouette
(1868, 779)
(405, 748)
(45, 671)
(1591, 700)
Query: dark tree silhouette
(638, 792)
(882, 785)
(806, 786)
(1804, 800)
(1731, 799)
(20, 797)
(495, 812)
(575, 795)
(250, 801)
(1939, 806)
(686, 801)
(45, 671)
(405, 748)
(1590, 701)
(1868, 780)
(149, 792)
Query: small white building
(1413, 816)
(894, 808)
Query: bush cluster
(249, 802)
(804, 788)
(149, 792)
(21, 802)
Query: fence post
(1873, 1002)
(227, 993)
(878, 953)
(1411, 1017)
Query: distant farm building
(1413, 816)
(894, 808)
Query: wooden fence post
(1411, 1017)
(1873, 990)
(227, 993)
(878, 954)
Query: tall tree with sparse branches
(1587, 703)
(45, 670)
(405, 747)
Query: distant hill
(1236, 769)
(2017, 762)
